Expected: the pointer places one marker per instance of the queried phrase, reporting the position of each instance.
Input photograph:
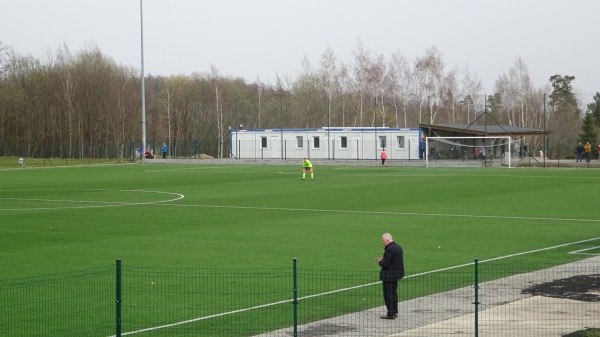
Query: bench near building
(334, 143)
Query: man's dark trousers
(390, 297)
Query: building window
(263, 142)
(382, 143)
(400, 143)
(300, 141)
(344, 142)
(316, 143)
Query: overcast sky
(261, 38)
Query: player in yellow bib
(306, 167)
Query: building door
(275, 147)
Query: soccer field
(237, 217)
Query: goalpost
(472, 151)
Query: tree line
(84, 104)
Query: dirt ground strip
(549, 302)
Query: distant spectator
(164, 150)
(579, 150)
(460, 150)
(587, 149)
(520, 151)
(422, 148)
(383, 157)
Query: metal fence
(560, 154)
(487, 299)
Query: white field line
(177, 196)
(189, 169)
(388, 213)
(403, 174)
(346, 289)
(584, 250)
(64, 200)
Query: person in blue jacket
(164, 150)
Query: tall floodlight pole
(328, 127)
(281, 121)
(485, 112)
(142, 75)
(485, 104)
(545, 136)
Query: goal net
(472, 151)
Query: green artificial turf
(245, 219)
(69, 218)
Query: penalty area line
(349, 288)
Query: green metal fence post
(295, 300)
(118, 300)
(476, 287)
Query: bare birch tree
(516, 91)
(471, 88)
(345, 87)
(166, 102)
(376, 81)
(428, 74)
(216, 81)
(307, 90)
(4, 52)
(398, 80)
(362, 64)
(329, 79)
